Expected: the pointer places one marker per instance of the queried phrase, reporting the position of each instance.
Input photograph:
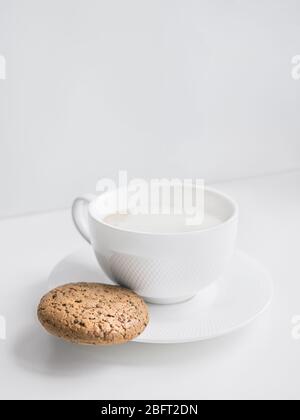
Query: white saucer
(241, 296)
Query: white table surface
(262, 361)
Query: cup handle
(79, 214)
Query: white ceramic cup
(162, 268)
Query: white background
(195, 88)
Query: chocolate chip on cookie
(92, 313)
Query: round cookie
(92, 313)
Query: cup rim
(224, 196)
